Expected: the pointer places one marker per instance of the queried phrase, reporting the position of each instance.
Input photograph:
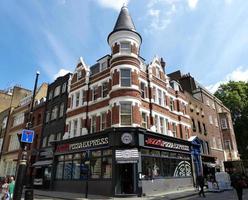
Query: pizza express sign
(160, 143)
(83, 145)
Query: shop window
(125, 77)
(151, 167)
(107, 167)
(95, 165)
(145, 152)
(142, 89)
(107, 152)
(76, 169)
(126, 113)
(59, 168)
(165, 154)
(155, 153)
(104, 89)
(67, 167)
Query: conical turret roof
(124, 22)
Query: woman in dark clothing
(238, 183)
(200, 181)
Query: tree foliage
(234, 95)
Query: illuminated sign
(82, 145)
(160, 143)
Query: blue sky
(208, 38)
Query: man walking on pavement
(200, 181)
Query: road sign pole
(23, 163)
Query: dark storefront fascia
(43, 168)
(121, 162)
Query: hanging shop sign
(163, 144)
(87, 144)
(127, 156)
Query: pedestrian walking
(238, 183)
(5, 190)
(200, 181)
(11, 186)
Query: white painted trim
(100, 82)
(144, 110)
(117, 100)
(144, 81)
(100, 110)
(123, 66)
(119, 125)
(122, 36)
(119, 87)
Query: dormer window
(126, 77)
(125, 47)
(79, 75)
(157, 72)
(104, 65)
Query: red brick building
(127, 118)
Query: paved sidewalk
(78, 196)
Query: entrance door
(126, 179)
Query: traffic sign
(27, 136)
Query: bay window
(125, 77)
(126, 113)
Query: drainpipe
(149, 94)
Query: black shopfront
(120, 161)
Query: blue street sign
(27, 136)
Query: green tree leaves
(234, 95)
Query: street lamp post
(87, 162)
(22, 168)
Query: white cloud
(192, 4)
(160, 19)
(239, 74)
(61, 72)
(113, 4)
